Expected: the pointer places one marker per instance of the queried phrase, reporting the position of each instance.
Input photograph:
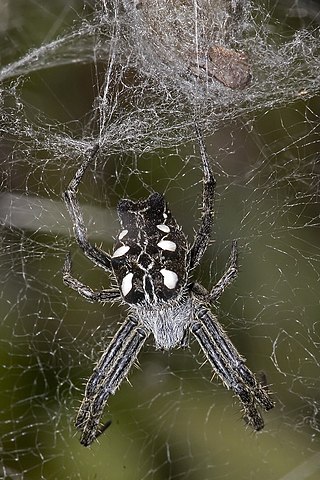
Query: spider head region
(150, 253)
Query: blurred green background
(174, 422)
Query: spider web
(74, 73)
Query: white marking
(126, 284)
(121, 251)
(163, 228)
(167, 245)
(170, 278)
(122, 234)
(152, 296)
(165, 215)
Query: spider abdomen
(150, 253)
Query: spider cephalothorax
(152, 264)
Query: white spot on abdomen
(121, 251)
(163, 228)
(122, 234)
(167, 245)
(126, 284)
(170, 278)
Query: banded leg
(108, 295)
(112, 368)
(95, 254)
(221, 342)
(110, 356)
(202, 236)
(228, 376)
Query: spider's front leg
(95, 254)
(230, 366)
(221, 342)
(229, 377)
(107, 376)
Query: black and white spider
(152, 264)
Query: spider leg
(229, 275)
(111, 354)
(202, 236)
(95, 254)
(232, 377)
(222, 343)
(227, 278)
(228, 377)
(112, 368)
(109, 295)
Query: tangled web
(133, 76)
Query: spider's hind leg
(202, 237)
(95, 254)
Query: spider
(152, 263)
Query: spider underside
(151, 263)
